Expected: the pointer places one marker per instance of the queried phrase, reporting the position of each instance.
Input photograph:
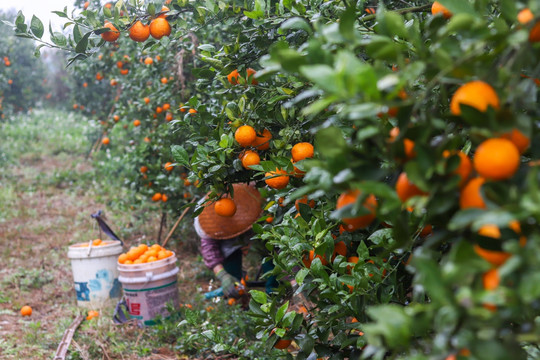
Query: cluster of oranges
(139, 32)
(96, 242)
(247, 137)
(6, 61)
(144, 254)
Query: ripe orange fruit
(168, 117)
(245, 135)
(269, 219)
(465, 166)
(119, 64)
(534, 35)
(112, 35)
(192, 111)
(304, 200)
(85, 84)
(113, 82)
(408, 144)
(225, 207)
(525, 16)
(99, 76)
(26, 310)
(476, 94)
(139, 32)
(166, 106)
(148, 61)
(168, 166)
(491, 279)
(86, 4)
(164, 10)
(75, 106)
(276, 179)
(116, 118)
(282, 344)
(92, 314)
(163, 80)
(233, 77)
(164, 198)
(105, 141)
(146, 139)
(251, 74)
(146, 100)
(159, 28)
(144, 169)
(406, 189)
(496, 159)
(262, 141)
(250, 158)
(302, 151)
(124, 71)
(136, 123)
(156, 197)
(340, 248)
(159, 110)
(520, 140)
(122, 258)
(470, 196)
(359, 222)
(437, 8)
(495, 258)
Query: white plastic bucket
(95, 275)
(149, 287)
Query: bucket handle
(149, 277)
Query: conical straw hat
(248, 209)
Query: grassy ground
(48, 189)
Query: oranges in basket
(144, 254)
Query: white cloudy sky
(41, 8)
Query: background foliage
(336, 75)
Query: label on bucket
(146, 304)
(99, 288)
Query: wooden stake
(66, 339)
(176, 223)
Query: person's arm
(211, 253)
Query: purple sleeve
(211, 252)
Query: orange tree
(415, 233)
(22, 76)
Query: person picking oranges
(224, 227)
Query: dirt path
(46, 198)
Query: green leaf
(77, 35)
(459, 6)
(391, 326)
(259, 296)
(207, 47)
(60, 13)
(37, 52)
(346, 23)
(281, 312)
(295, 23)
(83, 44)
(180, 155)
(20, 18)
(36, 26)
(330, 142)
(393, 24)
(151, 9)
